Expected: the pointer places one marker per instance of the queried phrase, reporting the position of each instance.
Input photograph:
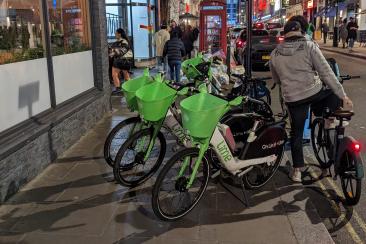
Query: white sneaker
(295, 175)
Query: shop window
(20, 31)
(69, 26)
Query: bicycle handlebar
(242, 77)
(255, 101)
(349, 77)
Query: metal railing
(113, 23)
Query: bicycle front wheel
(351, 185)
(171, 198)
(320, 141)
(118, 135)
(135, 161)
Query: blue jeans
(162, 63)
(175, 70)
(351, 42)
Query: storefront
(50, 72)
(139, 19)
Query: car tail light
(240, 43)
(281, 39)
(357, 147)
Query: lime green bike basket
(201, 113)
(154, 101)
(130, 87)
(189, 67)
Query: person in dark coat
(175, 28)
(188, 40)
(174, 49)
(352, 28)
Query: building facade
(54, 82)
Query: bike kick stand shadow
(237, 183)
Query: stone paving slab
(75, 201)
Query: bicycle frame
(171, 123)
(234, 165)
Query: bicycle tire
(249, 185)
(156, 204)
(109, 158)
(120, 173)
(352, 198)
(323, 144)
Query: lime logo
(179, 132)
(224, 151)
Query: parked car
(235, 32)
(258, 26)
(262, 46)
(271, 26)
(278, 33)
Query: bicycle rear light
(357, 147)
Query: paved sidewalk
(76, 201)
(358, 52)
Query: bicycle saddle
(343, 114)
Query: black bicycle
(332, 147)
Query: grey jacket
(300, 68)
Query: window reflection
(69, 26)
(20, 31)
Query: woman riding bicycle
(306, 80)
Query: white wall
(362, 21)
(73, 74)
(24, 91)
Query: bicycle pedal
(216, 174)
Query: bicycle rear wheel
(320, 142)
(132, 166)
(262, 173)
(118, 135)
(171, 199)
(351, 185)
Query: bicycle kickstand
(246, 199)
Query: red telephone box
(213, 25)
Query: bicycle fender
(346, 144)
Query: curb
(353, 55)
(303, 216)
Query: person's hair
(351, 18)
(163, 26)
(173, 21)
(122, 33)
(345, 21)
(302, 21)
(174, 34)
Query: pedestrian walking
(343, 33)
(352, 28)
(188, 40)
(300, 68)
(175, 28)
(196, 43)
(160, 38)
(174, 50)
(325, 30)
(122, 56)
(310, 29)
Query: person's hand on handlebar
(347, 104)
